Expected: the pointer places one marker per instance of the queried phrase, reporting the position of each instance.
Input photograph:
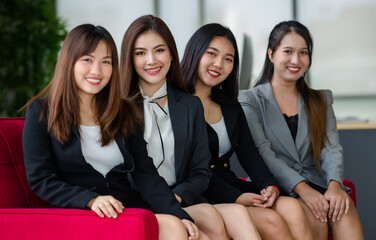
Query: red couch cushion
(61, 224)
(14, 189)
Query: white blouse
(159, 136)
(223, 139)
(101, 158)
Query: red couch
(25, 216)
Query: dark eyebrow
(228, 54)
(287, 47)
(158, 46)
(93, 56)
(213, 48)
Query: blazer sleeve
(153, 188)
(250, 158)
(331, 158)
(199, 174)
(286, 176)
(41, 170)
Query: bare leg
(349, 227)
(295, 217)
(269, 223)
(238, 223)
(208, 220)
(171, 228)
(318, 228)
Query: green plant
(30, 38)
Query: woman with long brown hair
(294, 128)
(83, 145)
(174, 127)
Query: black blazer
(60, 175)
(192, 154)
(225, 186)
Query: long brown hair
(60, 108)
(314, 101)
(128, 74)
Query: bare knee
(291, 210)
(295, 217)
(272, 218)
(171, 227)
(213, 221)
(208, 219)
(238, 210)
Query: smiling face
(290, 59)
(93, 71)
(152, 61)
(217, 62)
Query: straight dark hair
(314, 101)
(196, 47)
(61, 105)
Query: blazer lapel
(302, 132)
(228, 114)
(128, 160)
(277, 122)
(178, 116)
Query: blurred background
(344, 55)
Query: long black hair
(196, 47)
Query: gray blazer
(291, 162)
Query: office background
(344, 57)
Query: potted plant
(30, 38)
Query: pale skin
(215, 66)
(92, 73)
(151, 62)
(334, 207)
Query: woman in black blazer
(82, 144)
(210, 67)
(174, 126)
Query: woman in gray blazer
(174, 126)
(294, 128)
(210, 66)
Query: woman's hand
(105, 206)
(251, 200)
(314, 200)
(178, 198)
(271, 194)
(339, 201)
(192, 229)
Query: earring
(220, 86)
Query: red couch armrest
(61, 224)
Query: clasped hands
(265, 199)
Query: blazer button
(225, 165)
(212, 166)
(298, 167)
